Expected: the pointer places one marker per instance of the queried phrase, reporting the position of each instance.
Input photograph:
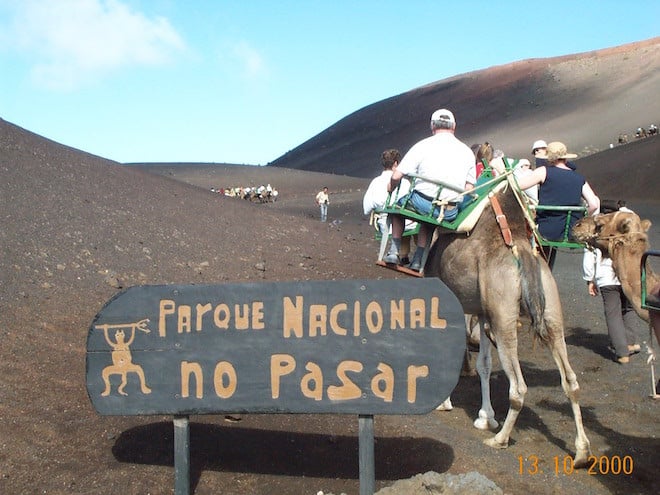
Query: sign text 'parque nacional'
(353, 346)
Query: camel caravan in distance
(640, 133)
(623, 237)
(260, 194)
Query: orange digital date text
(596, 465)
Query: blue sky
(245, 81)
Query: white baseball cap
(443, 114)
(539, 143)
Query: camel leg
(486, 419)
(506, 338)
(473, 328)
(557, 343)
(467, 369)
(572, 390)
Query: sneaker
(405, 260)
(391, 259)
(634, 349)
(416, 265)
(623, 360)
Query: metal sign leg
(181, 455)
(367, 460)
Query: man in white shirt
(440, 157)
(322, 200)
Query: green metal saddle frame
(487, 183)
(565, 241)
(480, 191)
(476, 201)
(649, 301)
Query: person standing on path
(619, 313)
(323, 200)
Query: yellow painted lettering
(398, 314)
(293, 317)
(415, 372)
(311, 384)
(194, 369)
(224, 370)
(417, 313)
(221, 316)
(258, 315)
(318, 320)
(201, 310)
(280, 365)
(166, 307)
(184, 313)
(242, 319)
(334, 316)
(436, 321)
(356, 319)
(374, 317)
(347, 390)
(382, 384)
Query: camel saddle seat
(472, 204)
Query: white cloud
(75, 41)
(250, 61)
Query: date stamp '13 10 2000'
(563, 465)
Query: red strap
(501, 221)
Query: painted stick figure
(122, 361)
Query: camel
(622, 236)
(495, 281)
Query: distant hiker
(323, 200)
(440, 157)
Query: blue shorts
(423, 205)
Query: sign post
(359, 347)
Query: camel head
(599, 230)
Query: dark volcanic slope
(625, 172)
(75, 229)
(584, 100)
(70, 219)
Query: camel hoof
(581, 461)
(445, 406)
(486, 424)
(491, 442)
(146, 390)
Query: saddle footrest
(400, 268)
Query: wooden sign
(353, 346)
